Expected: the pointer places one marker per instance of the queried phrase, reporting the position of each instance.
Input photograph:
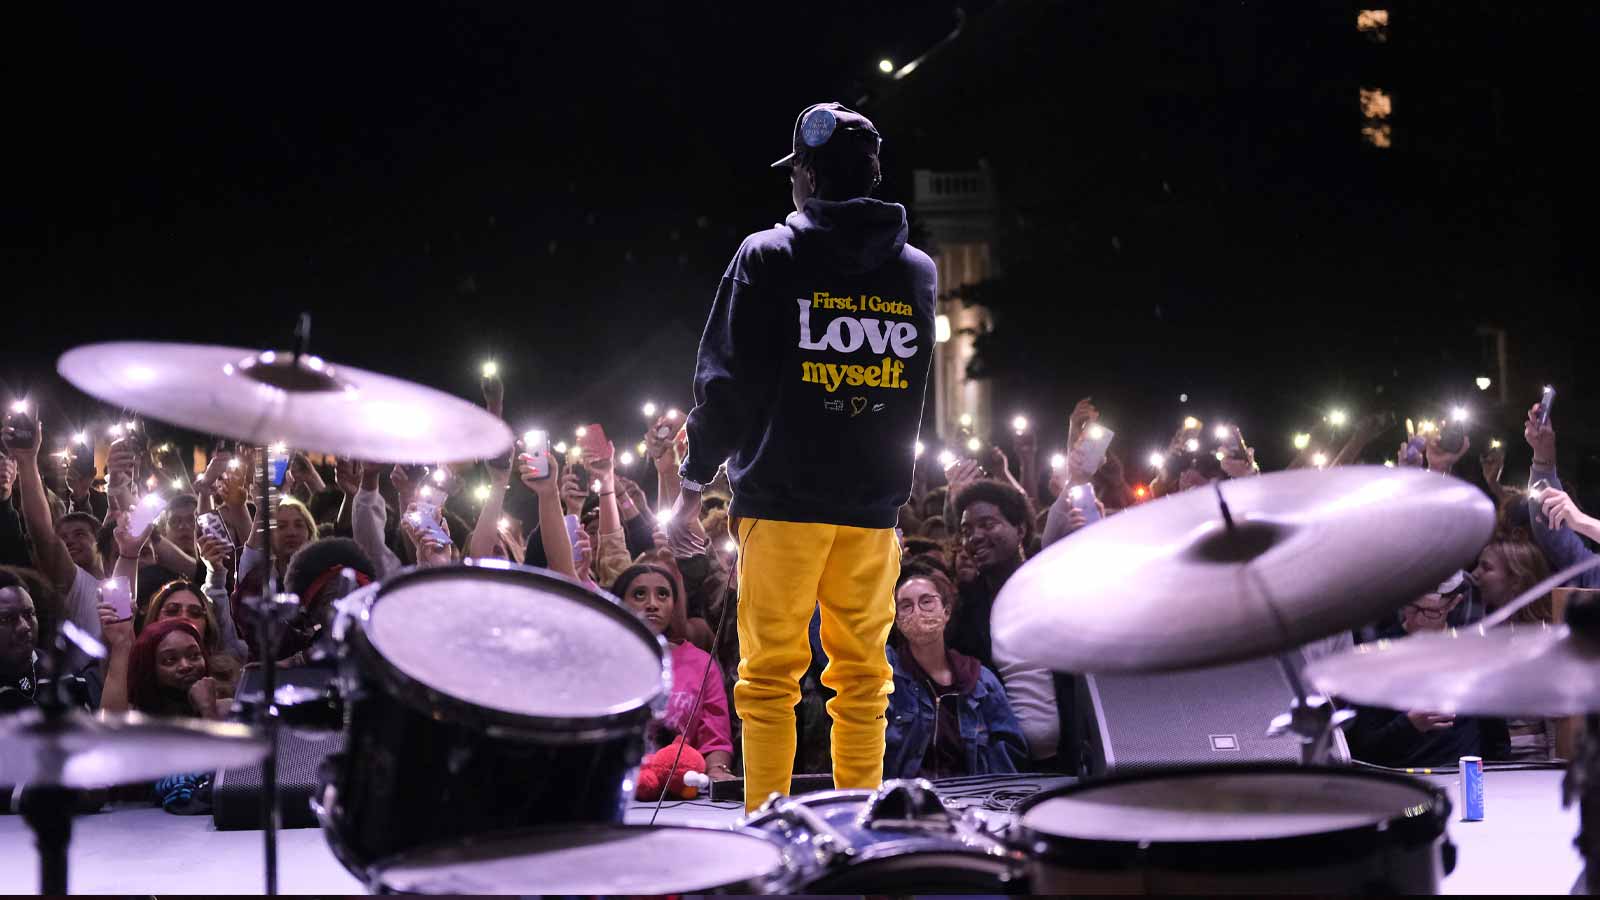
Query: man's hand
(26, 452)
(1428, 721)
(129, 544)
(572, 493)
(118, 634)
(1441, 460)
(305, 473)
(685, 523)
(1542, 438)
(494, 395)
(1493, 462)
(8, 476)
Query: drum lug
(829, 845)
(906, 803)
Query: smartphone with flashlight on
(1547, 399)
(1081, 496)
(536, 453)
(425, 519)
(1092, 447)
(277, 465)
(118, 594)
(21, 429)
(145, 512)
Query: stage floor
(1523, 846)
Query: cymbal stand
(1311, 718)
(272, 614)
(1583, 785)
(46, 807)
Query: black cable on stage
(716, 641)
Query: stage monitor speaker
(236, 794)
(1216, 716)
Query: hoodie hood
(964, 670)
(850, 236)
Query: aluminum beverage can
(1470, 789)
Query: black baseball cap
(827, 125)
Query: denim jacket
(989, 730)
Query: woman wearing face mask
(948, 715)
(653, 594)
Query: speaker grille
(1205, 717)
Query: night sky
(1186, 204)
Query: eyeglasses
(926, 603)
(1428, 612)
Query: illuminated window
(1374, 24)
(1378, 135)
(1375, 104)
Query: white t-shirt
(83, 602)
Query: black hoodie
(813, 367)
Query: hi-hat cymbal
(1512, 670)
(269, 397)
(1164, 586)
(80, 750)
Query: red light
(1140, 492)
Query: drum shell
(378, 883)
(1402, 854)
(421, 767)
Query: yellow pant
(787, 570)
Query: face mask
(917, 624)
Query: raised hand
(1542, 438)
(347, 475)
(572, 493)
(128, 543)
(1440, 459)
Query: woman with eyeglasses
(948, 714)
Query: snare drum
(1281, 829)
(589, 860)
(899, 839)
(479, 698)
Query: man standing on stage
(809, 385)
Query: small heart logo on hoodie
(857, 404)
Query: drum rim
(372, 876)
(619, 720)
(1294, 851)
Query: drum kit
(484, 755)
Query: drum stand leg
(1313, 719)
(48, 811)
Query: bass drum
(480, 698)
(589, 861)
(899, 839)
(1282, 829)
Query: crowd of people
(166, 593)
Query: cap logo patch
(817, 127)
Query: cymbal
(272, 396)
(1512, 670)
(1164, 586)
(80, 750)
